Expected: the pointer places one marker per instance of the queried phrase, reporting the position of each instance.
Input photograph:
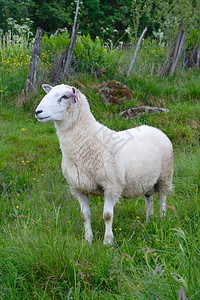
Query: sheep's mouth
(41, 119)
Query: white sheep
(100, 161)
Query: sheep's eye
(65, 97)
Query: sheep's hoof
(108, 239)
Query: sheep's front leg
(108, 209)
(85, 214)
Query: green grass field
(42, 250)
(43, 254)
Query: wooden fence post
(61, 65)
(72, 40)
(172, 60)
(136, 51)
(31, 80)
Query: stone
(140, 111)
(115, 92)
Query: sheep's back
(145, 152)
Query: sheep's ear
(76, 96)
(74, 90)
(46, 88)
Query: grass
(42, 250)
(43, 254)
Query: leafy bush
(93, 57)
(192, 38)
(57, 41)
(89, 55)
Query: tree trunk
(136, 51)
(31, 80)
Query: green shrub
(55, 42)
(89, 56)
(192, 38)
(95, 58)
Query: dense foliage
(106, 19)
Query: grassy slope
(42, 251)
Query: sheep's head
(55, 104)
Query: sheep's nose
(38, 112)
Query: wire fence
(98, 60)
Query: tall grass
(42, 251)
(14, 62)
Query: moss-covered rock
(115, 92)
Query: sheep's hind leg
(86, 216)
(149, 204)
(162, 201)
(109, 204)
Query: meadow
(43, 254)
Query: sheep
(99, 161)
